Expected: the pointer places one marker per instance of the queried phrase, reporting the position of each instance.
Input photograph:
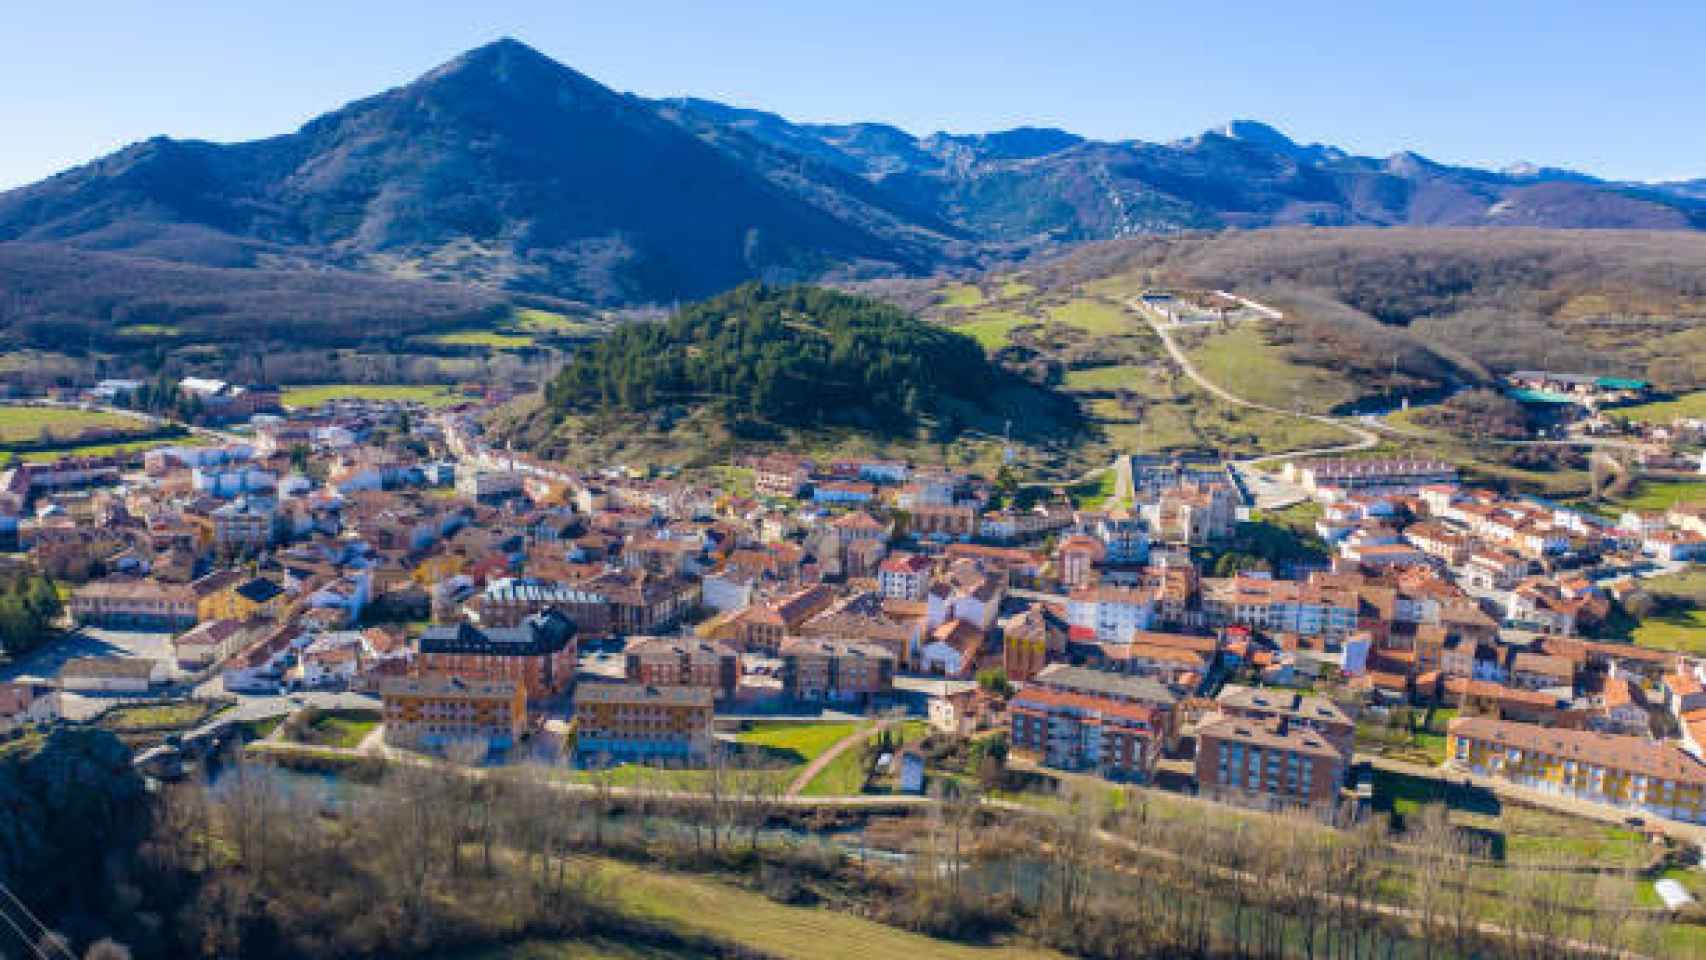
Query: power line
(46, 933)
(23, 937)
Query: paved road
(1362, 438)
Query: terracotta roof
(1043, 700)
(1628, 754)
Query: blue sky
(1613, 89)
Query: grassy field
(1682, 627)
(492, 339)
(1663, 495)
(723, 911)
(1518, 834)
(1684, 632)
(528, 320)
(1094, 316)
(156, 716)
(808, 740)
(430, 395)
(1120, 377)
(727, 912)
(789, 744)
(1422, 742)
(1094, 492)
(342, 729)
(1664, 411)
(150, 330)
(961, 295)
(1242, 361)
(845, 775)
(109, 449)
(994, 328)
(262, 728)
(1300, 518)
(25, 424)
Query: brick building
(1273, 763)
(683, 662)
(836, 670)
(1086, 731)
(618, 722)
(539, 654)
(433, 711)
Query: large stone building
(134, 604)
(539, 653)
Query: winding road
(1363, 438)
(1366, 430)
(1261, 487)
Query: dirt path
(824, 759)
(1362, 437)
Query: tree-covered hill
(794, 357)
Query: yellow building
(439, 567)
(251, 599)
(1627, 772)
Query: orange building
(630, 721)
(434, 711)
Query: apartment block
(683, 662)
(433, 711)
(836, 670)
(1272, 763)
(1632, 773)
(616, 722)
(1073, 730)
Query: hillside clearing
(29, 424)
(993, 329)
(1242, 360)
(1094, 316)
(431, 395)
(1689, 405)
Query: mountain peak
(1257, 132)
(503, 60)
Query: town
(375, 569)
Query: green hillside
(796, 357)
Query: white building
(1110, 614)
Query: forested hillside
(796, 357)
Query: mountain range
(507, 169)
